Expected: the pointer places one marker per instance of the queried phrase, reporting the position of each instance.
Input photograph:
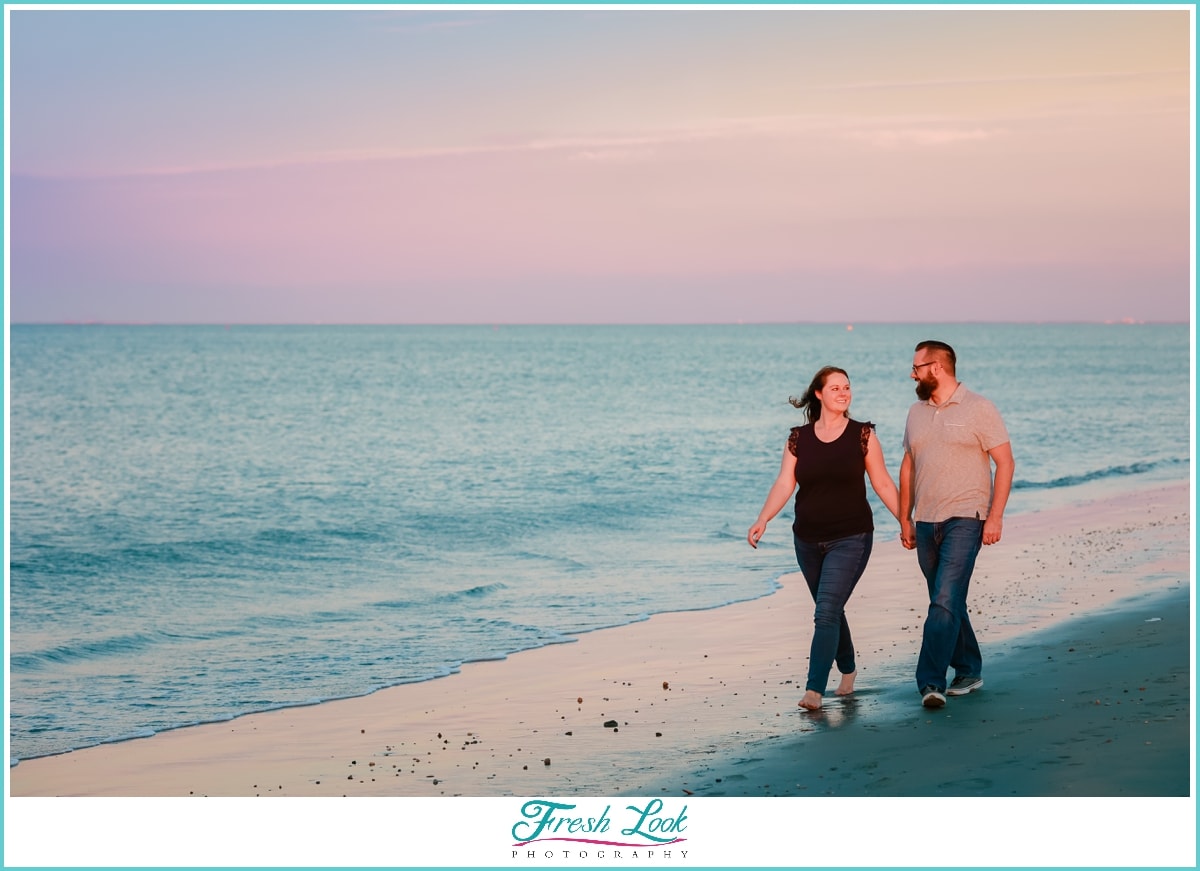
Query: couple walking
(952, 438)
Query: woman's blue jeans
(946, 552)
(831, 569)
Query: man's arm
(1002, 456)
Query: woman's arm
(781, 492)
(881, 479)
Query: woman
(833, 529)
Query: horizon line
(849, 325)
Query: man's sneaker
(932, 698)
(960, 686)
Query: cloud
(599, 147)
(875, 131)
(1098, 78)
(391, 23)
(921, 137)
(615, 155)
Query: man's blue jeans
(946, 552)
(831, 569)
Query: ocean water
(211, 521)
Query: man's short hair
(943, 351)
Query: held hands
(755, 533)
(908, 534)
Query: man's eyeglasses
(918, 366)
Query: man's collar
(954, 398)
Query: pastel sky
(493, 165)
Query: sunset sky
(493, 165)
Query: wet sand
(1097, 706)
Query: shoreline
(1052, 565)
(692, 694)
(1102, 489)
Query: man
(951, 439)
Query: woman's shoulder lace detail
(864, 435)
(794, 441)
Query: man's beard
(925, 389)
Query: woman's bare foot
(811, 701)
(846, 687)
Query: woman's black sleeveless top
(831, 501)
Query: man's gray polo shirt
(949, 443)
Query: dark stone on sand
(610, 724)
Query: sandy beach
(1083, 612)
